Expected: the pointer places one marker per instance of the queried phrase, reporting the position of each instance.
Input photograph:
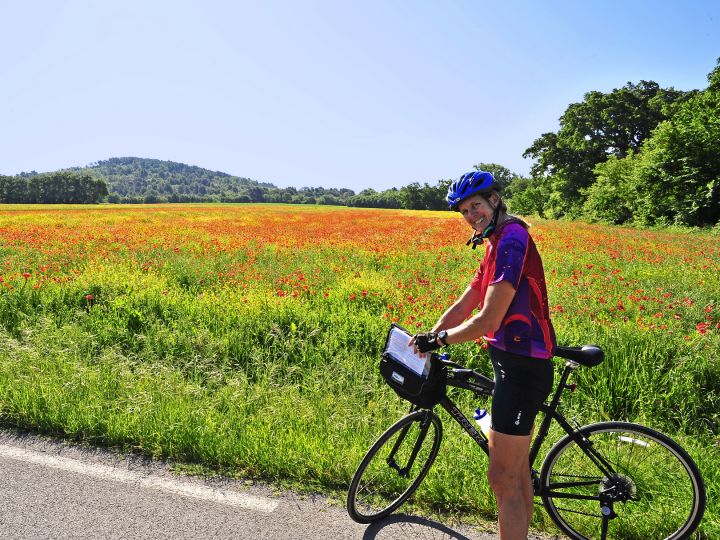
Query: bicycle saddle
(587, 355)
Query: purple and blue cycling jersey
(511, 256)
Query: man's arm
(497, 301)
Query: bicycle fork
(405, 471)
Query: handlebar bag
(425, 391)
(423, 386)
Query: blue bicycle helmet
(469, 184)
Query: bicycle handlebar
(460, 372)
(445, 360)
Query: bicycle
(602, 480)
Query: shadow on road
(401, 526)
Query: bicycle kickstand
(606, 508)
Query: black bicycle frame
(550, 413)
(460, 378)
(452, 409)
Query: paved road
(50, 490)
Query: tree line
(51, 188)
(638, 154)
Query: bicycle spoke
(651, 491)
(598, 515)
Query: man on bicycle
(514, 320)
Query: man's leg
(509, 477)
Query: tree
(256, 193)
(49, 188)
(613, 197)
(602, 125)
(16, 190)
(675, 177)
(420, 197)
(328, 200)
(411, 196)
(682, 160)
(527, 197)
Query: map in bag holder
(396, 347)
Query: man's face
(477, 211)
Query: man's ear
(494, 200)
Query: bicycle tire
(377, 488)
(659, 490)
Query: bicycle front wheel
(394, 466)
(650, 487)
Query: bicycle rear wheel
(654, 489)
(394, 466)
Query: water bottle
(483, 420)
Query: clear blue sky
(374, 93)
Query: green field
(244, 339)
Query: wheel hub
(618, 487)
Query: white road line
(250, 502)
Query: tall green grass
(176, 361)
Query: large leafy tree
(601, 126)
(675, 177)
(684, 155)
(424, 197)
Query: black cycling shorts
(522, 384)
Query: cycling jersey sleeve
(510, 256)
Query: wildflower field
(244, 339)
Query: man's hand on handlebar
(426, 342)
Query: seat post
(549, 410)
(569, 367)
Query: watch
(442, 338)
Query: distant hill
(133, 179)
(142, 180)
